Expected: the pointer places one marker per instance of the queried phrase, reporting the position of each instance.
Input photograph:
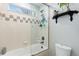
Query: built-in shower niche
(40, 30)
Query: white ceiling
(54, 6)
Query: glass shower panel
(40, 29)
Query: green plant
(64, 4)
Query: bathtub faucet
(3, 50)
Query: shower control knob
(25, 42)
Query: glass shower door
(39, 40)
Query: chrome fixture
(42, 42)
(3, 50)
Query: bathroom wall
(15, 32)
(65, 32)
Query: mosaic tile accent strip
(26, 21)
(18, 18)
(7, 19)
(10, 16)
(21, 21)
(3, 15)
(30, 21)
(24, 18)
(15, 20)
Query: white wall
(65, 32)
(13, 34)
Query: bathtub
(28, 51)
(36, 48)
(19, 52)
